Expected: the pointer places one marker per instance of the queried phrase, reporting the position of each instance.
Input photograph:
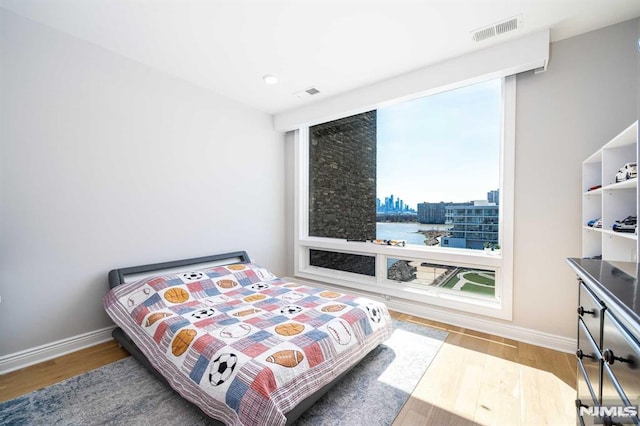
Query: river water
(407, 231)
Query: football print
(246, 312)
(182, 341)
(291, 310)
(153, 318)
(176, 295)
(333, 308)
(287, 358)
(222, 368)
(226, 284)
(254, 298)
(203, 313)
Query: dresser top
(617, 281)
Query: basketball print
(254, 298)
(236, 267)
(153, 318)
(226, 284)
(329, 294)
(287, 358)
(222, 368)
(182, 341)
(289, 329)
(333, 308)
(176, 295)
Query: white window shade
(519, 55)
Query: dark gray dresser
(608, 373)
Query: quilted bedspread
(243, 344)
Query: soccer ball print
(222, 367)
(189, 277)
(290, 310)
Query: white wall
(587, 96)
(107, 163)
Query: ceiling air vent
(307, 92)
(497, 29)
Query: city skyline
(443, 147)
(492, 196)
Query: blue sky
(443, 147)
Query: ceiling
(335, 46)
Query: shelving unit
(611, 201)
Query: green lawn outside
(476, 278)
(453, 280)
(488, 287)
(489, 291)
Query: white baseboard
(460, 319)
(52, 350)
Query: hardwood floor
(480, 379)
(46, 373)
(475, 379)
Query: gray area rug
(124, 393)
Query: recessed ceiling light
(270, 79)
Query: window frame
(500, 306)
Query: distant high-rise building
(473, 225)
(393, 205)
(432, 212)
(494, 197)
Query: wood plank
(44, 374)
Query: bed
(246, 347)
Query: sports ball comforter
(242, 344)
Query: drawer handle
(610, 358)
(581, 311)
(579, 404)
(580, 354)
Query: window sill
(439, 254)
(388, 290)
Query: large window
(409, 199)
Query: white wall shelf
(613, 201)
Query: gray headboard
(123, 275)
